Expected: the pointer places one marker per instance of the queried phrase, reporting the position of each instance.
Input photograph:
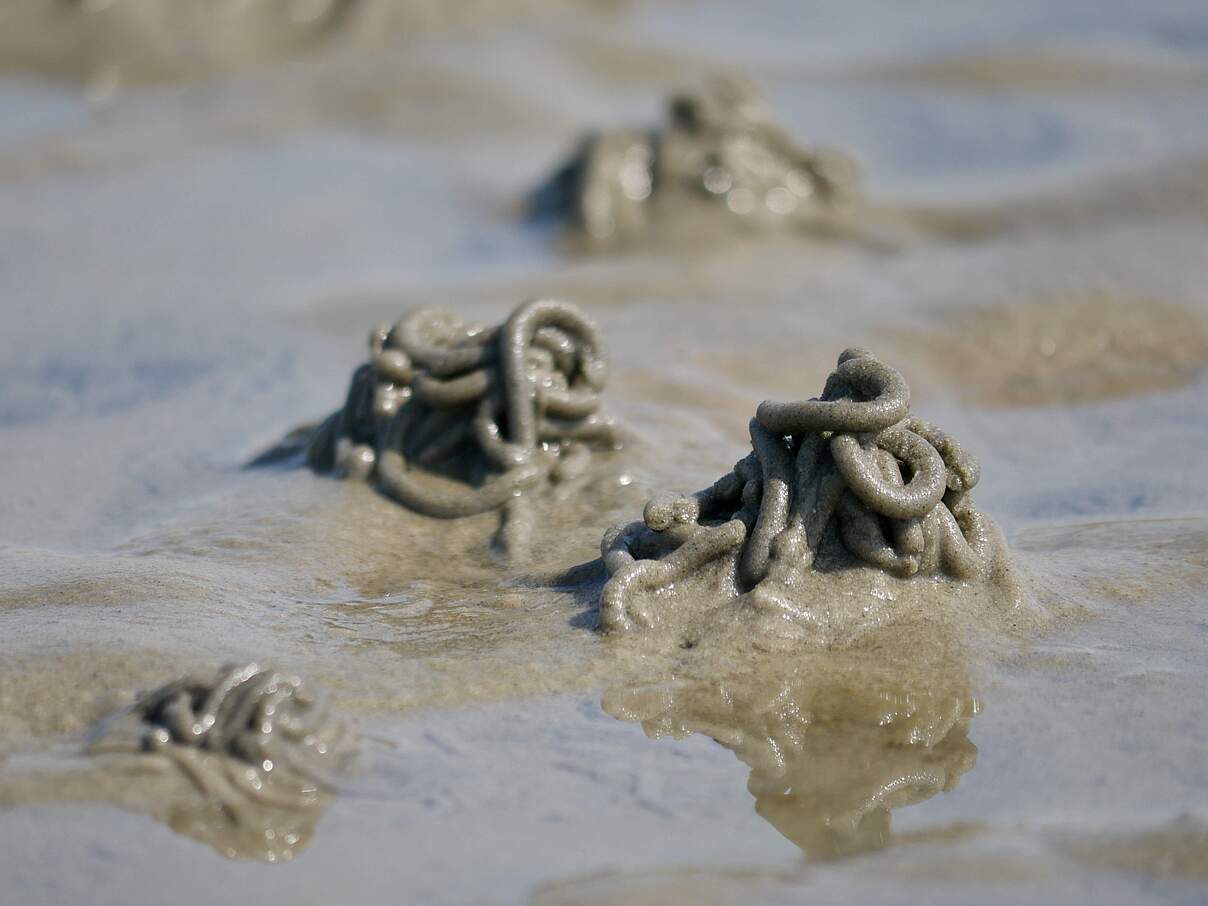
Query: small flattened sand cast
(721, 151)
(842, 499)
(454, 419)
(258, 745)
(832, 752)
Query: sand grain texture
(187, 270)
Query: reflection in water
(256, 830)
(150, 786)
(832, 749)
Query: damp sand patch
(1040, 71)
(1065, 350)
(143, 41)
(43, 696)
(1131, 562)
(1165, 191)
(389, 610)
(1174, 851)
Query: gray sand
(187, 271)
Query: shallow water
(188, 269)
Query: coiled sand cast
(842, 484)
(257, 744)
(453, 419)
(721, 151)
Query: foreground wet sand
(190, 272)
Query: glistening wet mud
(241, 232)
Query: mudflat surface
(190, 262)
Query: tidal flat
(192, 255)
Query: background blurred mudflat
(204, 208)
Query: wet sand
(188, 271)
